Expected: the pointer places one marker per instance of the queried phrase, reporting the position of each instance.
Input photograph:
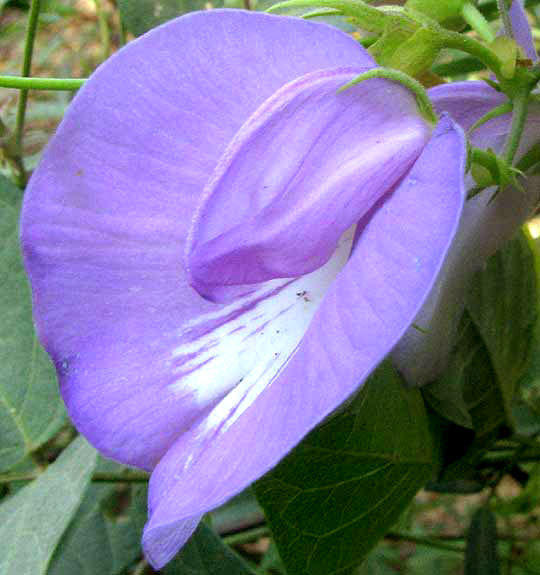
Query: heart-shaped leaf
(31, 410)
(33, 520)
(336, 494)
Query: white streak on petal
(237, 358)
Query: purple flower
(222, 247)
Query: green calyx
(404, 41)
(416, 54)
(508, 52)
(407, 40)
(396, 34)
(411, 37)
(424, 104)
(488, 169)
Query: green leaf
(33, 520)
(206, 554)
(471, 368)
(337, 493)
(238, 513)
(26, 465)
(481, 556)
(271, 561)
(446, 394)
(436, 9)
(104, 536)
(492, 353)
(481, 389)
(139, 16)
(526, 409)
(503, 304)
(31, 410)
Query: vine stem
(130, 477)
(520, 106)
(33, 18)
(451, 39)
(104, 31)
(246, 536)
(20, 83)
(424, 541)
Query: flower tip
(162, 541)
(445, 124)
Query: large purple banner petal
(108, 209)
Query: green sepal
(482, 176)
(425, 106)
(477, 22)
(418, 53)
(394, 36)
(508, 52)
(488, 169)
(439, 11)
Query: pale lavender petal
(394, 263)
(487, 223)
(107, 212)
(466, 102)
(307, 165)
(522, 29)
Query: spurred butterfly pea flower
(222, 246)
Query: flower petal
(322, 160)
(522, 29)
(107, 212)
(466, 102)
(396, 258)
